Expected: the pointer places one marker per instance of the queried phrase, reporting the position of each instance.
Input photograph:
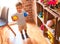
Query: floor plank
(35, 34)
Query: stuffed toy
(52, 3)
(41, 14)
(49, 23)
(42, 27)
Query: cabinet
(48, 14)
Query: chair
(4, 18)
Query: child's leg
(25, 29)
(22, 35)
(26, 34)
(20, 30)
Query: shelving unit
(48, 14)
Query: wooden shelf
(49, 14)
(50, 29)
(41, 3)
(42, 20)
(56, 11)
(48, 9)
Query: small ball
(25, 14)
(15, 18)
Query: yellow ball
(15, 18)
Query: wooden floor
(35, 34)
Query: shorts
(22, 27)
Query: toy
(52, 3)
(41, 14)
(41, 0)
(49, 23)
(25, 14)
(50, 36)
(42, 27)
(15, 18)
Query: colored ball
(25, 14)
(15, 18)
(42, 27)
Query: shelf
(49, 29)
(56, 11)
(49, 14)
(41, 19)
(41, 3)
(48, 9)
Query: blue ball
(25, 14)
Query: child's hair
(18, 4)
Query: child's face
(19, 9)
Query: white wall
(8, 3)
(11, 5)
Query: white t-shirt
(21, 19)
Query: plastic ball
(42, 27)
(25, 14)
(15, 18)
